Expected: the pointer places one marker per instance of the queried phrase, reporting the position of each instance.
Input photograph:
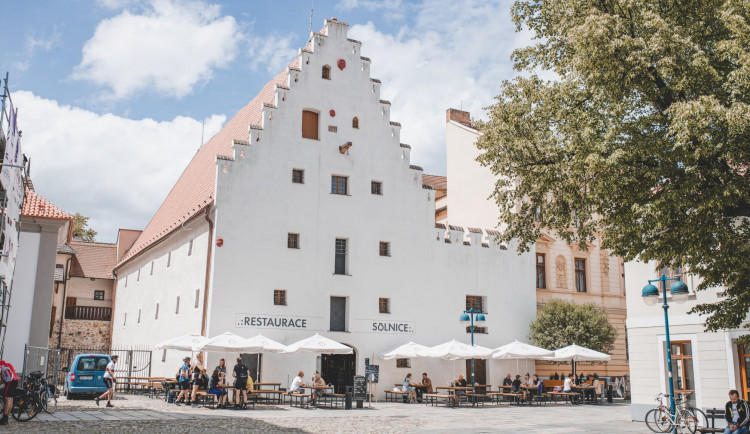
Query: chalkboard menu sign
(360, 388)
(371, 373)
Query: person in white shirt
(109, 381)
(297, 384)
(568, 388)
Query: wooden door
(310, 125)
(744, 371)
(480, 371)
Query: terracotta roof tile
(37, 205)
(366, 59)
(194, 191)
(93, 259)
(492, 232)
(456, 228)
(404, 145)
(475, 230)
(415, 167)
(396, 124)
(375, 80)
(383, 101)
(427, 187)
(439, 226)
(437, 182)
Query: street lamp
(468, 319)
(679, 292)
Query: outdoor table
(274, 386)
(455, 390)
(317, 388)
(583, 390)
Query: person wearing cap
(109, 381)
(184, 379)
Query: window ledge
(338, 331)
(338, 194)
(346, 275)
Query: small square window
(292, 241)
(479, 330)
(326, 72)
(98, 295)
(355, 123)
(279, 297)
(333, 129)
(384, 305)
(298, 176)
(385, 248)
(339, 185)
(377, 188)
(476, 302)
(403, 363)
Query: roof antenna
(312, 4)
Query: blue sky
(113, 94)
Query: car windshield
(92, 363)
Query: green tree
(81, 231)
(561, 323)
(643, 137)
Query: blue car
(85, 375)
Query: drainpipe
(66, 277)
(208, 269)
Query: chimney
(460, 116)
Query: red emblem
(332, 113)
(219, 242)
(342, 64)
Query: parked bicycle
(46, 392)
(26, 404)
(661, 420)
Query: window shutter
(309, 125)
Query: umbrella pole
(573, 362)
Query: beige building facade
(563, 271)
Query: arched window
(355, 122)
(326, 72)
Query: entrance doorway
(744, 371)
(252, 361)
(480, 371)
(339, 370)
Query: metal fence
(41, 359)
(133, 361)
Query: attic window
(355, 122)
(326, 72)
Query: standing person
(214, 386)
(109, 381)
(737, 414)
(197, 371)
(184, 380)
(9, 378)
(240, 373)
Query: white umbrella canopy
(182, 343)
(578, 354)
(318, 344)
(227, 342)
(265, 345)
(455, 350)
(521, 350)
(407, 351)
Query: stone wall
(82, 333)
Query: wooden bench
(516, 397)
(435, 399)
(567, 396)
(274, 396)
(205, 399)
(301, 400)
(712, 415)
(478, 398)
(396, 396)
(332, 400)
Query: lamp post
(467, 319)
(679, 292)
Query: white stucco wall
(22, 298)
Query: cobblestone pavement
(154, 415)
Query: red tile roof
(435, 181)
(194, 191)
(93, 259)
(37, 205)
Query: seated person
(737, 414)
(427, 382)
(461, 381)
(408, 387)
(297, 385)
(214, 386)
(508, 381)
(568, 388)
(317, 381)
(535, 388)
(589, 393)
(516, 385)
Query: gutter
(64, 300)
(208, 269)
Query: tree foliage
(561, 323)
(81, 231)
(643, 137)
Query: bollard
(609, 394)
(348, 399)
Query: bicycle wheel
(658, 421)
(26, 407)
(686, 421)
(702, 419)
(50, 401)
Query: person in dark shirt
(461, 381)
(214, 386)
(516, 385)
(240, 374)
(507, 381)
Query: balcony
(94, 313)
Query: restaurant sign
(272, 321)
(379, 326)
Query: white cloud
(274, 52)
(170, 47)
(34, 42)
(113, 169)
(455, 55)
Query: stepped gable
(194, 190)
(435, 181)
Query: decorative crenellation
(474, 237)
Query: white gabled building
(304, 215)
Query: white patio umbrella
(318, 344)
(228, 343)
(575, 353)
(182, 343)
(266, 345)
(407, 351)
(455, 350)
(521, 351)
